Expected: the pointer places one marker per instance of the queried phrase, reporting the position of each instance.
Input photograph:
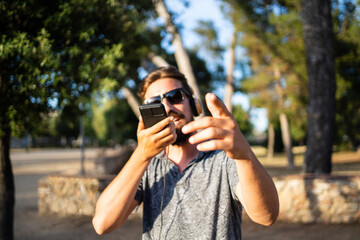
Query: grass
(343, 163)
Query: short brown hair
(163, 72)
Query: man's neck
(182, 155)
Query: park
(30, 167)
(70, 73)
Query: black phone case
(152, 113)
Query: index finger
(216, 107)
(202, 123)
(161, 125)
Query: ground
(31, 166)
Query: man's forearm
(257, 191)
(117, 201)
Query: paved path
(31, 166)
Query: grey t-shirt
(199, 203)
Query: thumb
(216, 107)
(141, 125)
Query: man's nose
(168, 106)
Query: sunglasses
(173, 97)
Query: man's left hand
(219, 132)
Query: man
(193, 176)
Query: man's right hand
(153, 140)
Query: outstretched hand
(219, 132)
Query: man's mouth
(179, 119)
(179, 122)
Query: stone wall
(65, 195)
(303, 198)
(111, 161)
(326, 198)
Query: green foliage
(66, 123)
(55, 54)
(26, 72)
(243, 120)
(206, 30)
(108, 125)
(99, 122)
(347, 52)
(94, 38)
(272, 35)
(202, 74)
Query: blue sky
(210, 10)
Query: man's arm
(117, 201)
(255, 188)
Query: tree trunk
(157, 60)
(181, 56)
(82, 145)
(229, 87)
(131, 100)
(286, 138)
(284, 123)
(319, 46)
(7, 188)
(271, 142)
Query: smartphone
(152, 113)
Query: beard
(181, 137)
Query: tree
(229, 87)
(269, 33)
(243, 120)
(181, 56)
(347, 57)
(57, 53)
(319, 45)
(281, 39)
(186, 60)
(206, 30)
(66, 124)
(25, 66)
(107, 124)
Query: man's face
(181, 111)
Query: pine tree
(319, 44)
(270, 34)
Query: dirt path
(29, 225)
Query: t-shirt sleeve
(139, 193)
(232, 177)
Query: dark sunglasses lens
(152, 100)
(175, 96)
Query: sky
(210, 10)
